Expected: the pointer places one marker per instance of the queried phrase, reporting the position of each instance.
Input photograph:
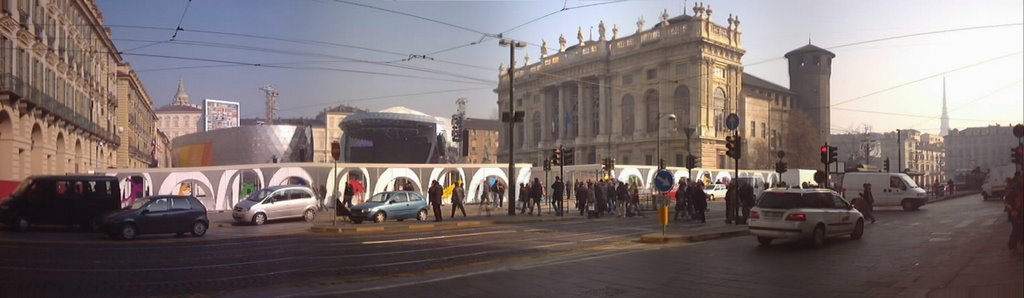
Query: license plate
(772, 214)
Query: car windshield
(783, 200)
(139, 203)
(22, 187)
(910, 183)
(380, 198)
(710, 187)
(259, 195)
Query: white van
(995, 181)
(888, 189)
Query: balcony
(142, 155)
(19, 90)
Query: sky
(891, 56)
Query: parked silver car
(277, 202)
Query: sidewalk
(476, 216)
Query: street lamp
(671, 117)
(511, 119)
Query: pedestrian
(949, 187)
(494, 193)
(524, 197)
(483, 189)
(591, 199)
(1014, 201)
(347, 196)
(501, 193)
(746, 196)
(698, 199)
(613, 201)
(408, 186)
(581, 197)
(458, 199)
(730, 203)
(434, 194)
(557, 190)
(601, 196)
(680, 199)
(536, 195)
(869, 203)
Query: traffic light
(691, 161)
(661, 164)
(781, 167)
(824, 154)
(556, 157)
(568, 157)
(885, 165)
(547, 165)
(733, 145)
(605, 164)
(1018, 155)
(833, 154)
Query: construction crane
(271, 94)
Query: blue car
(391, 205)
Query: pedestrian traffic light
(611, 164)
(547, 165)
(781, 167)
(833, 154)
(691, 161)
(885, 165)
(605, 163)
(661, 164)
(1018, 154)
(733, 145)
(556, 156)
(824, 154)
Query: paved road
(953, 248)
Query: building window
(681, 107)
(680, 69)
(536, 128)
(753, 129)
(648, 159)
(719, 72)
(628, 117)
(627, 79)
(720, 109)
(680, 162)
(652, 74)
(764, 130)
(651, 104)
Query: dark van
(60, 200)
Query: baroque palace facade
(59, 83)
(609, 98)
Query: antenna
(271, 95)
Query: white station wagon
(812, 214)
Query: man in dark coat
(458, 199)
(731, 205)
(557, 190)
(681, 200)
(746, 196)
(601, 196)
(347, 197)
(536, 194)
(434, 194)
(698, 199)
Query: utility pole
(511, 117)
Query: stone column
(604, 127)
(582, 101)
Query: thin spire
(944, 125)
(181, 98)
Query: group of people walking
(691, 201)
(595, 199)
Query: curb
(658, 238)
(955, 196)
(433, 226)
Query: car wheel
(259, 219)
(199, 229)
(764, 241)
(422, 215)
(858, 230)
(128, 232)
(908, 205)
(309, 215)
(380, 217)
(21, 224)
(818, 237)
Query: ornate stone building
(181, 117)
(57, 89)
(611, 97)
(135, 122)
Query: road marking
(435, 237)
(946, 221)
(940, 239)
(990, 222)
(964, 224)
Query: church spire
(944, 126)
(181, 98)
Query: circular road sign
(663, 181)
(1018, 130)
(781, 154)
(732, 121)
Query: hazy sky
(320, 53)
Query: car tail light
(755, 214)
(796, 216)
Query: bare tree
(759, 158)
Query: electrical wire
(181, 20)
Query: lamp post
(512, 45)
(670, 117)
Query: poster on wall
(219, 114)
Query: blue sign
(663, 181)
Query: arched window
(536, 128)
(521, 135)
(627, 115)
(681, 107)
(651, 109)
(720, 109)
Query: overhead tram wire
(181, 20)
(378, 97)
(986, 95)
(418, 17)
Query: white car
(813, 214)
(715, 191)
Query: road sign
(732, 121)
(335, 150)
(781, 154)
(663, 181)
(1018, 130)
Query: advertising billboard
(219, 114)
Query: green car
(391, 205)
